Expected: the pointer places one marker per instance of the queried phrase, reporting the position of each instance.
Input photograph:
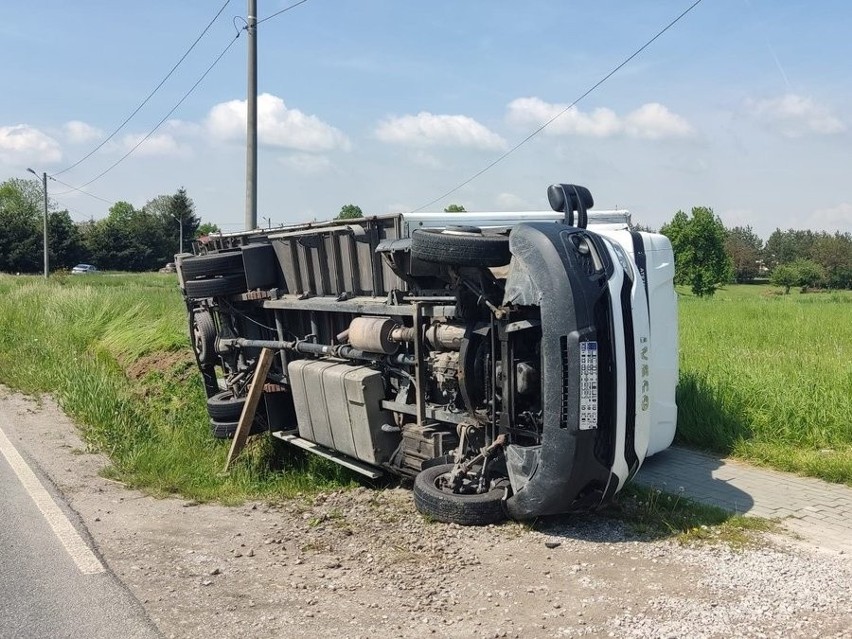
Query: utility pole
(44, 239)
(251, 119)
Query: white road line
(82, 555)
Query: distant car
(82, 269)
(169, 268)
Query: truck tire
(216, 287)
(224, 407)
(204, 337)
(227, 430)
(465, 510)
(460, 248)
(212, 265)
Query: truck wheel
(216, 287)
(227, 430)
(212, 265)
(204, 337)
(224, 407)
(468, 247)
(465, 510)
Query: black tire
(227, 430)
(460, 249)
(216, 287)
(224, 407)
(465, 510)
(204, 337)
(212, 265)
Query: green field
(768, 378)
(763, 377)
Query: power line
(150, 95)
(562, 112)
(166, 117)
(79, 190)
(71, 210)
(278, 13)
(171, 111)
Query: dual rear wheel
(214, 275)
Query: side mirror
(567, 198)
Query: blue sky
(743, 106)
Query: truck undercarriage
(500, 367)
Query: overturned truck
(513, 364)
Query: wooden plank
(250, 407)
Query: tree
(454, 208)
(785, 276)
(810, 273)
(797, 273)
(175, 213)
(206, 229)
(183, 209)
(744, 248)
(349, 212)
(21, 211)
(834, 254)
(699, 248)
(121, 212)
(129, 239)
(784, 247)
(65, 247)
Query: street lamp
(44, 185)
(180, 221)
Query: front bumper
(581, 460)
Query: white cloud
(651, 121)
(159, 144)
(535, 112)
(21, 143)
(794, 115)
(277, 126)
(427, 129)
(78, 132)
(307, 163)
(183, 128)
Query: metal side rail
(290, 437)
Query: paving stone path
(812, 508)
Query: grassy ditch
(768, 378)
(113, 350)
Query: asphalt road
(44, 592)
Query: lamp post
(180, 221)
(44, 187)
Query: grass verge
(114, 352)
